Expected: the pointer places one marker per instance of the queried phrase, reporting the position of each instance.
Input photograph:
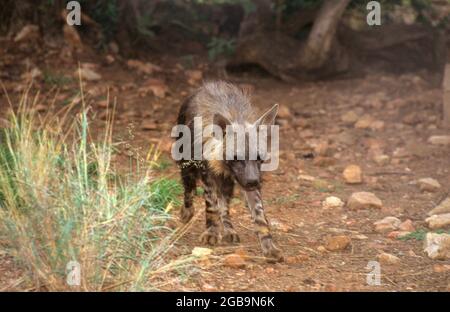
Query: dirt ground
(315, 147)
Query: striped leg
(188, 176)
(229, 233)
(255, 205)
(212, 234)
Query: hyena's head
(244, 161)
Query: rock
(398, 234)
(443, 207)
(322, 149)
(156, 86)
(339, 242)
(284, 112)
(296, 259)
(428, 185)
(27, 33)
(280, 226)
(406, 226)
(352, 174)
(109, 59)
(149, 125)
(350, 117)
(143, 68)
(377, 125)
(321, 249)
(88, 74)
(437, 246)
(364, 122)
(194, 76)
(306, 177)
(32, 74)
(364, 200)
(381, 159)
(439, 140)
(388, 259)
(438, 221)
(234, 261)
(387, 224)
(332, 202)
(441, 268)
(201, 252)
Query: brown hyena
(226, 106)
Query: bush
(61, 200)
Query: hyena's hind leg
(189, 176)
(212, 213)
(229, 233)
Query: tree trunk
(321, 38)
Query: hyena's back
(217, 97)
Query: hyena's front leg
(188, 175)
(229, 233)
(255, 205)
(212, 234)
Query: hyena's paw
(230, 236)
(211, 237)
(186, 215)
(272, 253)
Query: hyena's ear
(268, 118)
(221, 121)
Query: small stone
(364, 200)
(439, 140)
(296, 259)
(387, 224)
(438, 221)
(364, 122)
(360, 237)
(437, 246)
(352, 174)
(322, 149)
(305, 177)
(335, 243)
(398, 234)
(406, 226)
(143, 68)
(149, 125)
(284, 112)
(350, 117)
(377, 125)
(441, 268)
(429, 185)
(381, 159)
(194, 76)
(88, 74)
(388, 259)
(234, 261)
(332, 202)
(200, 252)
(156, 86)
(321, 249)
(443, 207)
(280, 226)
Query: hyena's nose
(252, 183)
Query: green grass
(62, 200)
(420, 234)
